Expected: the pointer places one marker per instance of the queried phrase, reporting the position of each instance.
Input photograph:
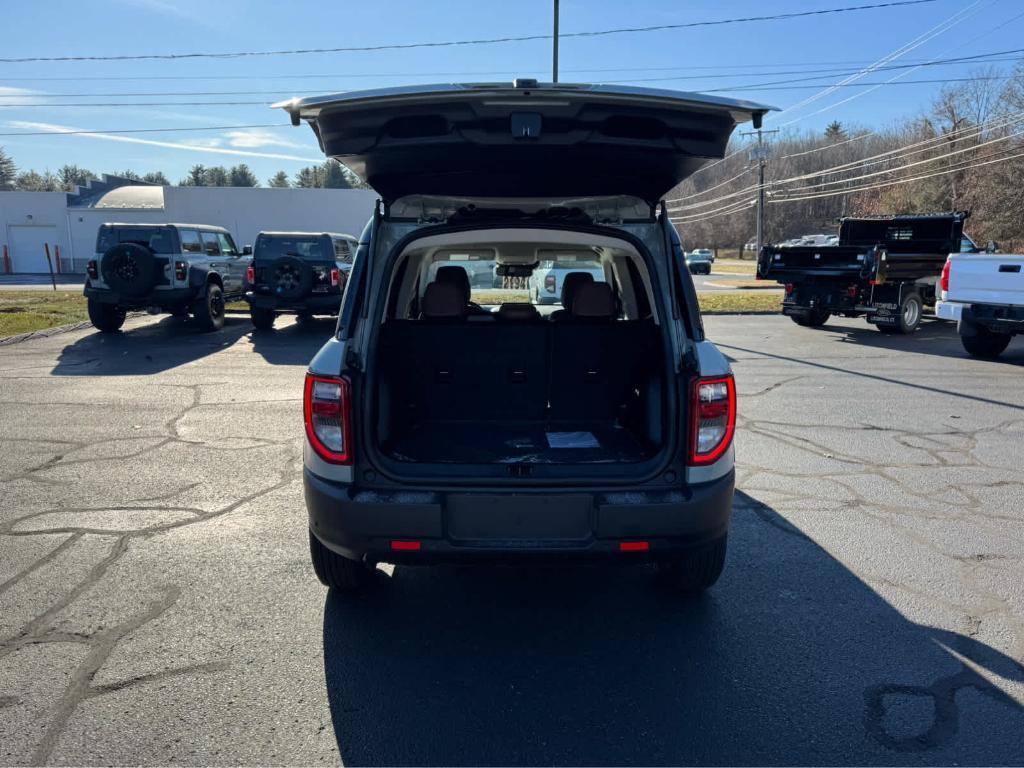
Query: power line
(917, 42)
(480, 41)
(149, 130)
(889, 156)
(763, 85)
(44, 104)
(345, 75)
(963, 166)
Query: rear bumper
(328, 304)
(949, 310)
(995, 317)
(467, 527)
(159, 297)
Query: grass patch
(495, 297)
(734, 267)
(722, 303)
(26, 311)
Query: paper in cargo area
(572, 440)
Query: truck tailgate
(984, 278)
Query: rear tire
(985, 343)
(909, 319)
(209, 308)
(107, 318)
(695, 571)
(262, 319)
(812, 318)
(337, 572)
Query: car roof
(336, 235)
(139, 224)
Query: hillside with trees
(965, 153)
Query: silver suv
(175, 268)
(443, 429)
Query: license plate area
(520, 520)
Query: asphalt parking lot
(157, 604)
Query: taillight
(92, 269)
(944, 282)
(328, 414)
(789, 289)
(549, 283)
(335, 277)
(180, 270)
(851, 291)
(250, 275)
(712, 418)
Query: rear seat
(445, 368)
(594, 357)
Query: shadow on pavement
(148, 349)
(790, 659)
(293, 343)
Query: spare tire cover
(129, 269)
(290, 277)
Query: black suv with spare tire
(177, 268)
(300, 273)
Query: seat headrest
(518, 312)
(594, 301)
(455, 276)
(571, 283)
(442, 301)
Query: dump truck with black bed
(883, 268)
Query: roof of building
(117, 192)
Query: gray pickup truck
(177, 268)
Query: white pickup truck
(984, 294)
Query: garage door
(26, 247)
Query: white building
(68, 222)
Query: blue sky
(688, 59)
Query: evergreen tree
(156, 177)
(279, 180)
(72, 176)
(241, 176)
(834, 131)
(8, 171)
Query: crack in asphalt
(924, 449)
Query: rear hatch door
(523, 139)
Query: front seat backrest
(454, 276)
(442, 301)
(594, 301)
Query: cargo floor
(496, 442)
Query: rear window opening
(157, 239)
(517, 348)
(306, 247)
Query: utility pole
(554, 50)
(760, 155)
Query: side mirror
(992, 247)
(247, 250)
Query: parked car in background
(984, 294)
(299, 273)
(548, 277)
(699, 261)
(177, 268)
(438, 433)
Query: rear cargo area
(478, 375)
(525, 393)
